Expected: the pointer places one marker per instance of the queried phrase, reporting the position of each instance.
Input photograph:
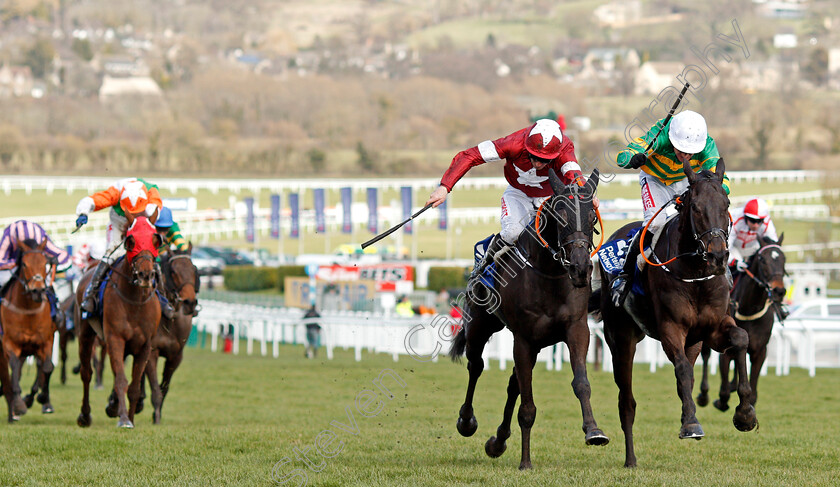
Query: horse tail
(459, 345)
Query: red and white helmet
(756, 209)
(544, 139)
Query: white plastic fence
(807, 343)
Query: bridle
(37, 278)
(174, 292)
(759, 279)
(559, 252)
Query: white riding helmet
(688, 132)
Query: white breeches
(655, 194)
(518, 210)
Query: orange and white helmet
(756, 209)
(544, 139)
(133, 197)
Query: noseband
(713, 233)
(34, 279)
(559, 253)
(135, 273)
(759, 278)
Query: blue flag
(275, 216)
(405, 193)
(293, 206)
(320, 219)
(249, 219)
(373, 211)
(347, 206)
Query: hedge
(250, 278)
(447, 278)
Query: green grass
(230, 419)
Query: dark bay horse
(181, 278)
(541, 295)
(27, 324)
(685, 303)
(130, 319)
(757, 295)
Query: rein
(762, 284)
(560, 254)
(37, 277)
(679, 202)
(134, 282)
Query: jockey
(170, 231)
(127, 196)
(749, 224)
(21, 231)
(685, 138)
(528, 153)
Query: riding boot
(56, 312)
(496, 245)
(620, 287)
(89, 300)
(165, 308)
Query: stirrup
(89, 304)
(167, 311)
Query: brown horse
(130, 318)
(27, 324)
(181, 278)
(542, 299)
(685, 303)
(758, 297)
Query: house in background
(15, 81)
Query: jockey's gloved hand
(81, 220)
(741, 266)
(638, 160)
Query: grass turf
(230, 419)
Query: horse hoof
(47, 409)
(467, 428)
(494, 448)
(83, 420)
(745, 422)
(702, 400)
(98, 387)
(14, 419)
(597, 437)
(525, 466)
(18, 407)
(28, 400)
(139, 407)
(721, 405)
(693, 431)
(127, 424)
(112, 409)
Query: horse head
(705, 207)
(141, 244)
(570, 226)
(32, 271)
(768, 267)
(181, 280)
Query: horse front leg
(154, 386)
(673, 343)
(86, 339)
(703, 397)
(62, 355)
(29, 399)
(623, 349)
(734, 340)
(116, 349)
(6, 384)
(168, 371)
(757, 362)
(137, 369)
(578, 342)
(496, 446)
(16, 364)
(525, 356)
(47, 368)
(99, 366)
(476, 340)
(722, 403)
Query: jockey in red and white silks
(528, 154)
(749, 224)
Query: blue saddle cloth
(488, 276)
(100, 294)
(612, 255)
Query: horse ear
(157, 240)
(189, 248)
(689, 172)
(781, 237)
(129, 243)
(43, 245)
(720, 168)
(594, 178)
(556, 184)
